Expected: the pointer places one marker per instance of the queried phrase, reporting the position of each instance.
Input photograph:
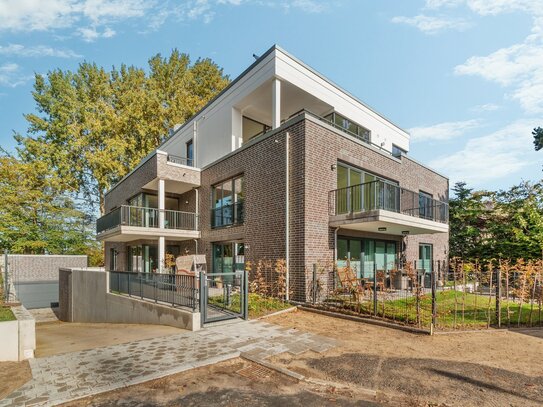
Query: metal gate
(223, 296)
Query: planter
(18, 337)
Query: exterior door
(425, 257)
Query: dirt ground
(226, 384)
(54, 338)
(476, 368)
(12, 376)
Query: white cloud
(10, 75)
(37, 51)
(487, 107)
(90, 34)
(490, 157)
(443, 131)
(432, 25)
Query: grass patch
(258, 305)
(455, 309)
(6, 314)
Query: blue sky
(465, 77)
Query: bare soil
(484, 368)
(12, 376)
(223, 384)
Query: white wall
(381, 129)
(219, 124)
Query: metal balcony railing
(181, 160)
(146, 217)
(389, 197)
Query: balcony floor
(395, 223)
(128, 233)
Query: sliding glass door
(365, 255)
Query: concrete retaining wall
(84, 297)
(18, 337)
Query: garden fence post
(246, 294)
(6, 284)
(498, 296)
(314, 283)
(374, 289)
(434, 299)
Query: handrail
(189, 162)
(140, 216)
(383, 195)
(175, 289)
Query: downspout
(335, 246)
(287, 213)
(194, 142)
(197, 225)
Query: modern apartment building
(282, 164)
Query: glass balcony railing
(146, 217)
(389, 197)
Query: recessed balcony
(383, 207)
(127, 223)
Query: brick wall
(314, 149)
(40, 267)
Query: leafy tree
(467, 222)
(36, 217)
(517, 227)
(489, 225)
(538, 138)
(92, 126)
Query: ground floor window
(365, 255)
(228, 257)
(425, 257)
(144, 258)
(113, 259)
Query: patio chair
(348, 281)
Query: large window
(252, 128)
(366, 255)
(354, 129)
(227, 199)
(358, 192)
(190, 153)
(426, 205)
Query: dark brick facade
(314, 150)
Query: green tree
(538, 138)
(517, 222)
(468, 218)
(36, 217)
(92, 126)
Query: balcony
(127, 223)
(382, 207)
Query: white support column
(276, 103)
(161, 253)
(161, 239)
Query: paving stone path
(61, 378)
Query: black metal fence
(440, 295)
(171, 289)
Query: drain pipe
(287, 213)
(197, 220)
(335, 245)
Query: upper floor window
(252, 128)
(426, 205)
(354, 129)
(227, 200)
(397, 151)
(190, 153)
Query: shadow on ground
(433, 380)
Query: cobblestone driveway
(61, 378)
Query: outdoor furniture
(348, 280)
